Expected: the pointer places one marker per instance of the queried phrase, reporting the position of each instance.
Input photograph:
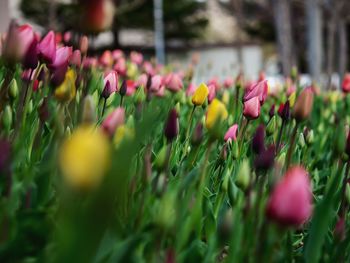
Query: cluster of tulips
(117, 159)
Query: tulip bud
(251, 108)
(231, 134)
(310, 137)
(340, 229)
(281, 158)
(265, 159)
(235, 150)
(84, 45)
(171, 129)
(107, 91)
(347, 192)
(89, 110)
(13, 89)
(284, 111)
(76, 58)
(43, 110)
(87, 143)
(271, 126)
(200, 95)
(123, 88)
(197, 135)
(290, 203)
(7, 117)
(160, 160)
(67, 90)
(140, 95)
(58, 75)
(301, 140)
(166, 215)
(243, 175)
(303, 105)
(258, 144)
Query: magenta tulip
(252, 108)
(231, 134)
(47, 48)
(259, 90)
(290, 203)
(63, 55)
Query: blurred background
(226, 36)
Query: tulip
(142, 81)
(148, 68)
(252, 108)
(107, 91)
(113, 121)
(67, 36)
(190, 90)
(123, 88)
(136, 57)
(120, 67)
(98, 15)
(67, 90)
(259, 90)
(130, 87)
(58, 75)
(117, 54)
(228, 82)
(290, 203)
(171, 129)
(13, 89)
(272, 111)
(231, 134)
(243, 175)
(26, 38)
(214, 82)
(47, 48)
(30, 60)
(346, 83)
(85, 158)
(258, 144)
(84, 45)
(76, 58)
(303, 105)
(156, 82)
(173, 82)
(63, 55)
(89, 110)
(106, 60)
(265, 159)
(216, 114)
(197, 135)
(112, 78)
(284, 111)
(212, 92)
(200, 95)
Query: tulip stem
(188, 134)
(292, 145)
(121, 100)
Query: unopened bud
(7, 117)
(258, 144)
(160, 160)
(84, 45)
(266, 159)
(284, 111)
(13, 89)
(339, 230)
(235, 150)
(171, 129)
(301, 140)
(123, 88)
(272, 111)
(271, 126)
(303, 105)
(197, 135)
(310, 138)
(243, 175)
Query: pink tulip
(136, 57)
(106, 60)
(117, 54)
(190, 90)
(142, 80)
(290, 203)
(76, 58)
(160, 92)
(113, 121)
(231, 133)
(148, 68)
(260, 90)
(26, 37)
(120, 66)
(214, 82)
(63, 55)
(89, 62)
(67, 37)
(346, 83)
(112, 78)
(228, 82)
(252, 108)
(47, 48)
(173, 82)
(156, 83)
(212, 92)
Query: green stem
(291, 146)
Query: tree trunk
(314, 38)
(343, 48)
(284, 33)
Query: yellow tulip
(200, 94)
(85, 157)
(122, 132)
(67, 90)
(292, 98)
(216, 113)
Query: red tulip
(113, 121)
(290, 203)
(346, 83)
(259, 90)
(252, 108)
(130, 87)
(47, 48)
